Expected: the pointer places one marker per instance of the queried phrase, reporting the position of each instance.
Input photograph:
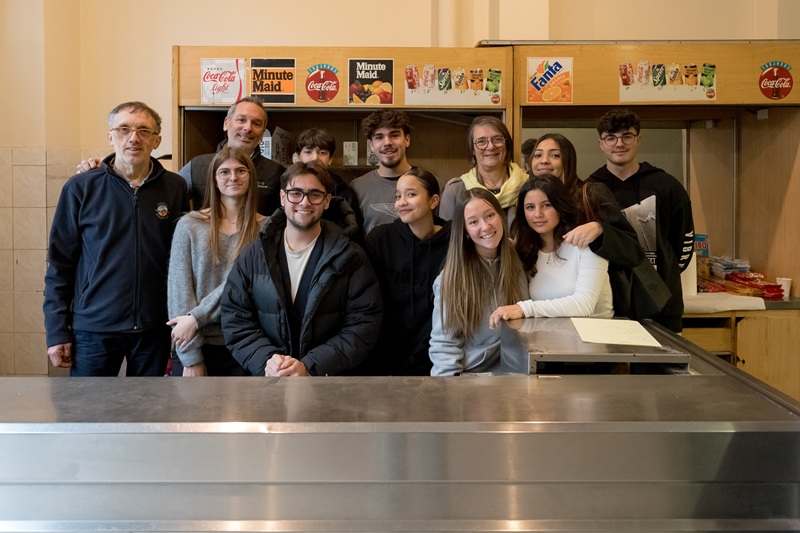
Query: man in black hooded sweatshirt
(653, 201)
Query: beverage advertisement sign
(444, 84)
(775, 81)
(221, 80)
(550, 80)
(371, 82)
(667, 81)
(273, 80)
(322, 84)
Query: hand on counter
(284, 365)
(506, 312)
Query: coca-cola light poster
(222, 80)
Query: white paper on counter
(613, 331)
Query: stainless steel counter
(708, 450)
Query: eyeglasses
(483, 142)
(123, 132)
(225, 173)
(314, 196)
(611, 140)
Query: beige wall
(66, 63)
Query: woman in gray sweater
(205, 245)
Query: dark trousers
(101, 354)
(218, 360)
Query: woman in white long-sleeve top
(205, 245)
(565, 280)
(481, 271)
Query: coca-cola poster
(775, 81)
(322, 84)
(273, 80)
(664, 79)
(222, 80)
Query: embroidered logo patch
(162, 211)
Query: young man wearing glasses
(654, 202)
(105, 295)
(304, 300)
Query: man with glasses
(388, 133)
(105, 297)
(244, 127)
(303, 300)
(654, 202)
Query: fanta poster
(221, 80)
(644, 80)
(451, 84)
(550, 80)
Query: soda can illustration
(626, 73)
(444, 80)
(659, 74)
(412, 77)
(476, 79)
(493, 80)
(429, 77)
(674, 74)
(690, 74)
(459, 77)
(708, 74)
(643, 73)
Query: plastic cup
(786, 286)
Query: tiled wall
(30, 182)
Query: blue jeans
(101, 354)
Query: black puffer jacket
(342, 318)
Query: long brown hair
(467, 279)
(247, 219)
(527, 241)
(569, 159)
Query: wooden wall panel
(711, 182)
(596, 67)
(768, 215)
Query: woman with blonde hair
(481, 272)
(204, 247)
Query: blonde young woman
(481, 272)
(204, 247)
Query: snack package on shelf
(703, 267)
(707, 284)
(755, 280)
(721, 266)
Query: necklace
(482, 181)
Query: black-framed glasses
(226, 173)
(314, 196)
(611, 140)
(123, 132)
(483, 142)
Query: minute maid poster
(550, 80)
